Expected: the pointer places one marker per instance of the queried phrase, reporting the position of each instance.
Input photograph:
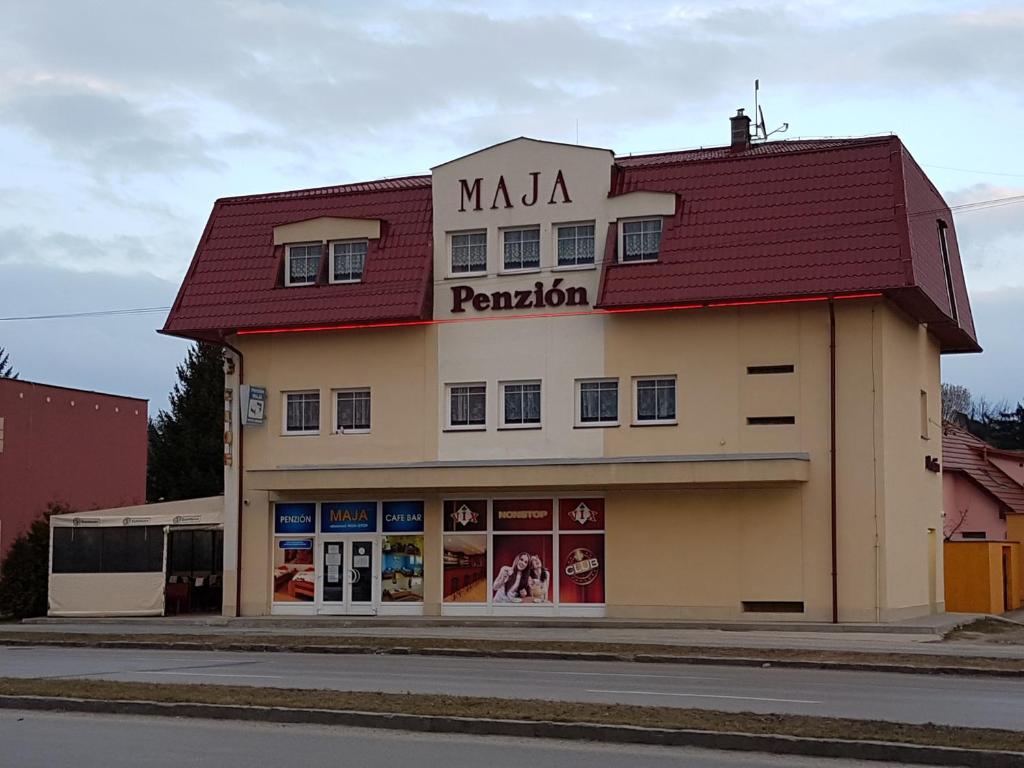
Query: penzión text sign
(538, 297)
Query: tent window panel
(76, 550)
(118, 549)
(181, 551)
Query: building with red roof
(982, 485)
(548, 380)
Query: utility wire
(95, 313)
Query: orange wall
(974, 576)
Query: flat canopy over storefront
(640, 472)
(117, 567)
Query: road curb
(499, 653)
(616, 734)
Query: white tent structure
(116, 562)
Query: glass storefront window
(401, 566)
(294, 572)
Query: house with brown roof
(981, 486)
(550, 380)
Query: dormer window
(348, 261)
(641, 240)
(302, 264)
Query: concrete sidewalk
(919, 637)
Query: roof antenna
(760, 131)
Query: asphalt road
(44, 740)
(972, 701)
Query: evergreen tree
(6, 370)
(1006, 429)
(186, 446)
(24, 578)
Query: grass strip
(498, 709)
(624, 651)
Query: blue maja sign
(348, 516)
(294, 518)
(403, 516)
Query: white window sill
(637, 261)
(655, 423)
(466, 428)
(342, 432)
(462, 275)
(573, 267)
(346, 282)
(290, 433)
(299, 285)
(525, 271)
(513, 427)
(595, 424)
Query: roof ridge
(812, 145)
(413, 181)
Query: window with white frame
(348, 261)
(469, 252)
(302, 413)
(598, 401)
(654, 400)
(521, 248)
(467, 405)
(641, 240)
(352, 410)
(303, 263)
(520, 404)
(575, 244)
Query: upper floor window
(944, 246)
(520, 403)
(575, 244)
(641, 240)
(302, 413)
(522, 248)
(469, 252)
(349, 259)
(598, 402)
(467, 405)
(655, 400)
(352, 410)
(303, 263)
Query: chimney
(740, 131)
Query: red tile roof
(236, 277)
(791, 219)
(963, 452)
(783, 219)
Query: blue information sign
(403, 516)
(295, 544)
(294, 518)
(348, 516)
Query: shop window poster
(522, 569)
(462, 516)
(581, 514)
(465, 569)
(523, 515)
(294, 574)
(581, 571)
(401, 569)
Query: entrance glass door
(345, 575)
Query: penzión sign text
(538, 297)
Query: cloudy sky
(121, 122)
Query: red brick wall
(83, 449)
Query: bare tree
(951, 527)
(956, 398)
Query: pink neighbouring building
(86, 450)
(981, 485)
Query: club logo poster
(581, 572)
(523, 515)
(522, 568)
(462, 516)
(581, 514)
(465, 568)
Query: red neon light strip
(624, 310)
